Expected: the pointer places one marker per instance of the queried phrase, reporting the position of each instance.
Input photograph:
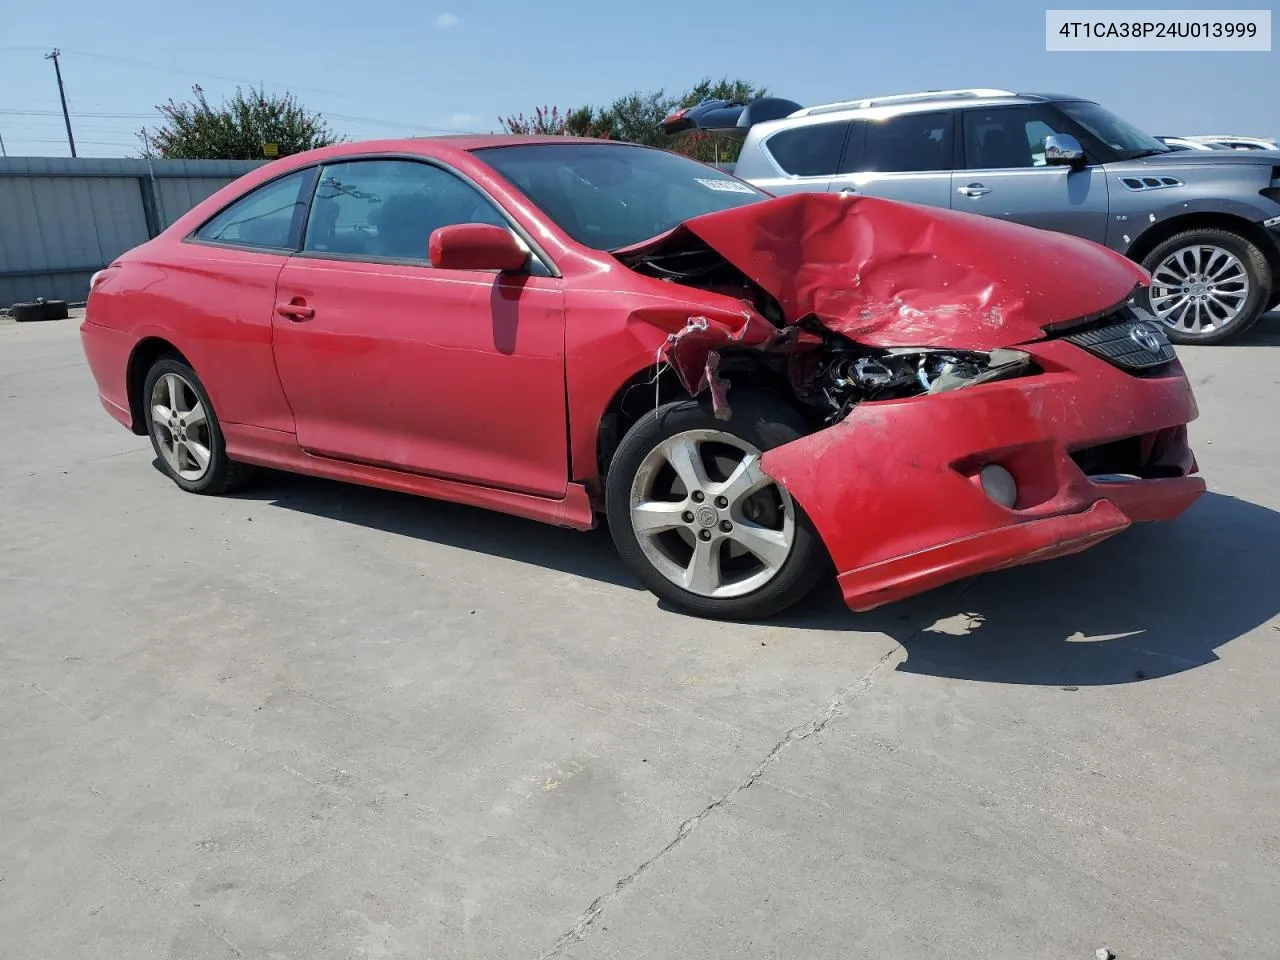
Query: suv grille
(1131, 344)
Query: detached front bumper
(893, 490)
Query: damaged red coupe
(753, 390)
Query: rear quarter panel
(215, 306)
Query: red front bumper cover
(894, 493)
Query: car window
(1115, 132)
(610, 195)
(265, 217)
(910, 143)
(387, 209)
(1010, 137)
(809, 151)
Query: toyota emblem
(1145, 337)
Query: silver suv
(1206, 224)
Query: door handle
(296, 310)
(973, 190)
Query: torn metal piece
(718, 385)
(688, 350)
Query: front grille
(1133, 343)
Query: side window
(809, 151)
(909, 143)
(387, 209)
(1008, 137)
(263, 218)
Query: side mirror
(476, 246)
(1063, 150)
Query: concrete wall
(61, 218)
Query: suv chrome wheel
(707, 518)
(1199, 289)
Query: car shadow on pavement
(588, 554)
(1157, 600)
(1264, 333)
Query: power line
(192, 72)
(77, 113)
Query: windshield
(608, 196)
(1120, 135)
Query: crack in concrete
(163, 895)
(797, 733)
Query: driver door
(388, 361)
(1003, 174)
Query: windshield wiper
(1148, 153)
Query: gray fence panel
(177, 195)
(62, 218)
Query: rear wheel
(185, 433)
(1207, 286)
(699, 523)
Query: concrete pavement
(315, 721)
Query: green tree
(635, 117)
(239, 129)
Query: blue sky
(393, 67)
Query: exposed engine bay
(827, 371)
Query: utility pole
(62, 93)
(3, 151)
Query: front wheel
(1207, 286)
(699, 523)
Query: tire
(198, 461)
(641, 472)
(39, 310)
(1248, 296)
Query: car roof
(444, 147)
(452, 142)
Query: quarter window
(809, 151)
(909, 143)
(264, 217)
(387, 209)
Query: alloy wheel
(1199, 289)
(181, 427)
(707, 518)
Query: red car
(751, 389)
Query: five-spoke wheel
(184, 430)
(698, 520)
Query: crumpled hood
(890, 274)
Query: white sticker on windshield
(725, 186)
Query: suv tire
(1207, 269)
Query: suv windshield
(1120, 135)
(609, 196)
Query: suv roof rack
(967, 93)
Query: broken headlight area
(848, 376)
